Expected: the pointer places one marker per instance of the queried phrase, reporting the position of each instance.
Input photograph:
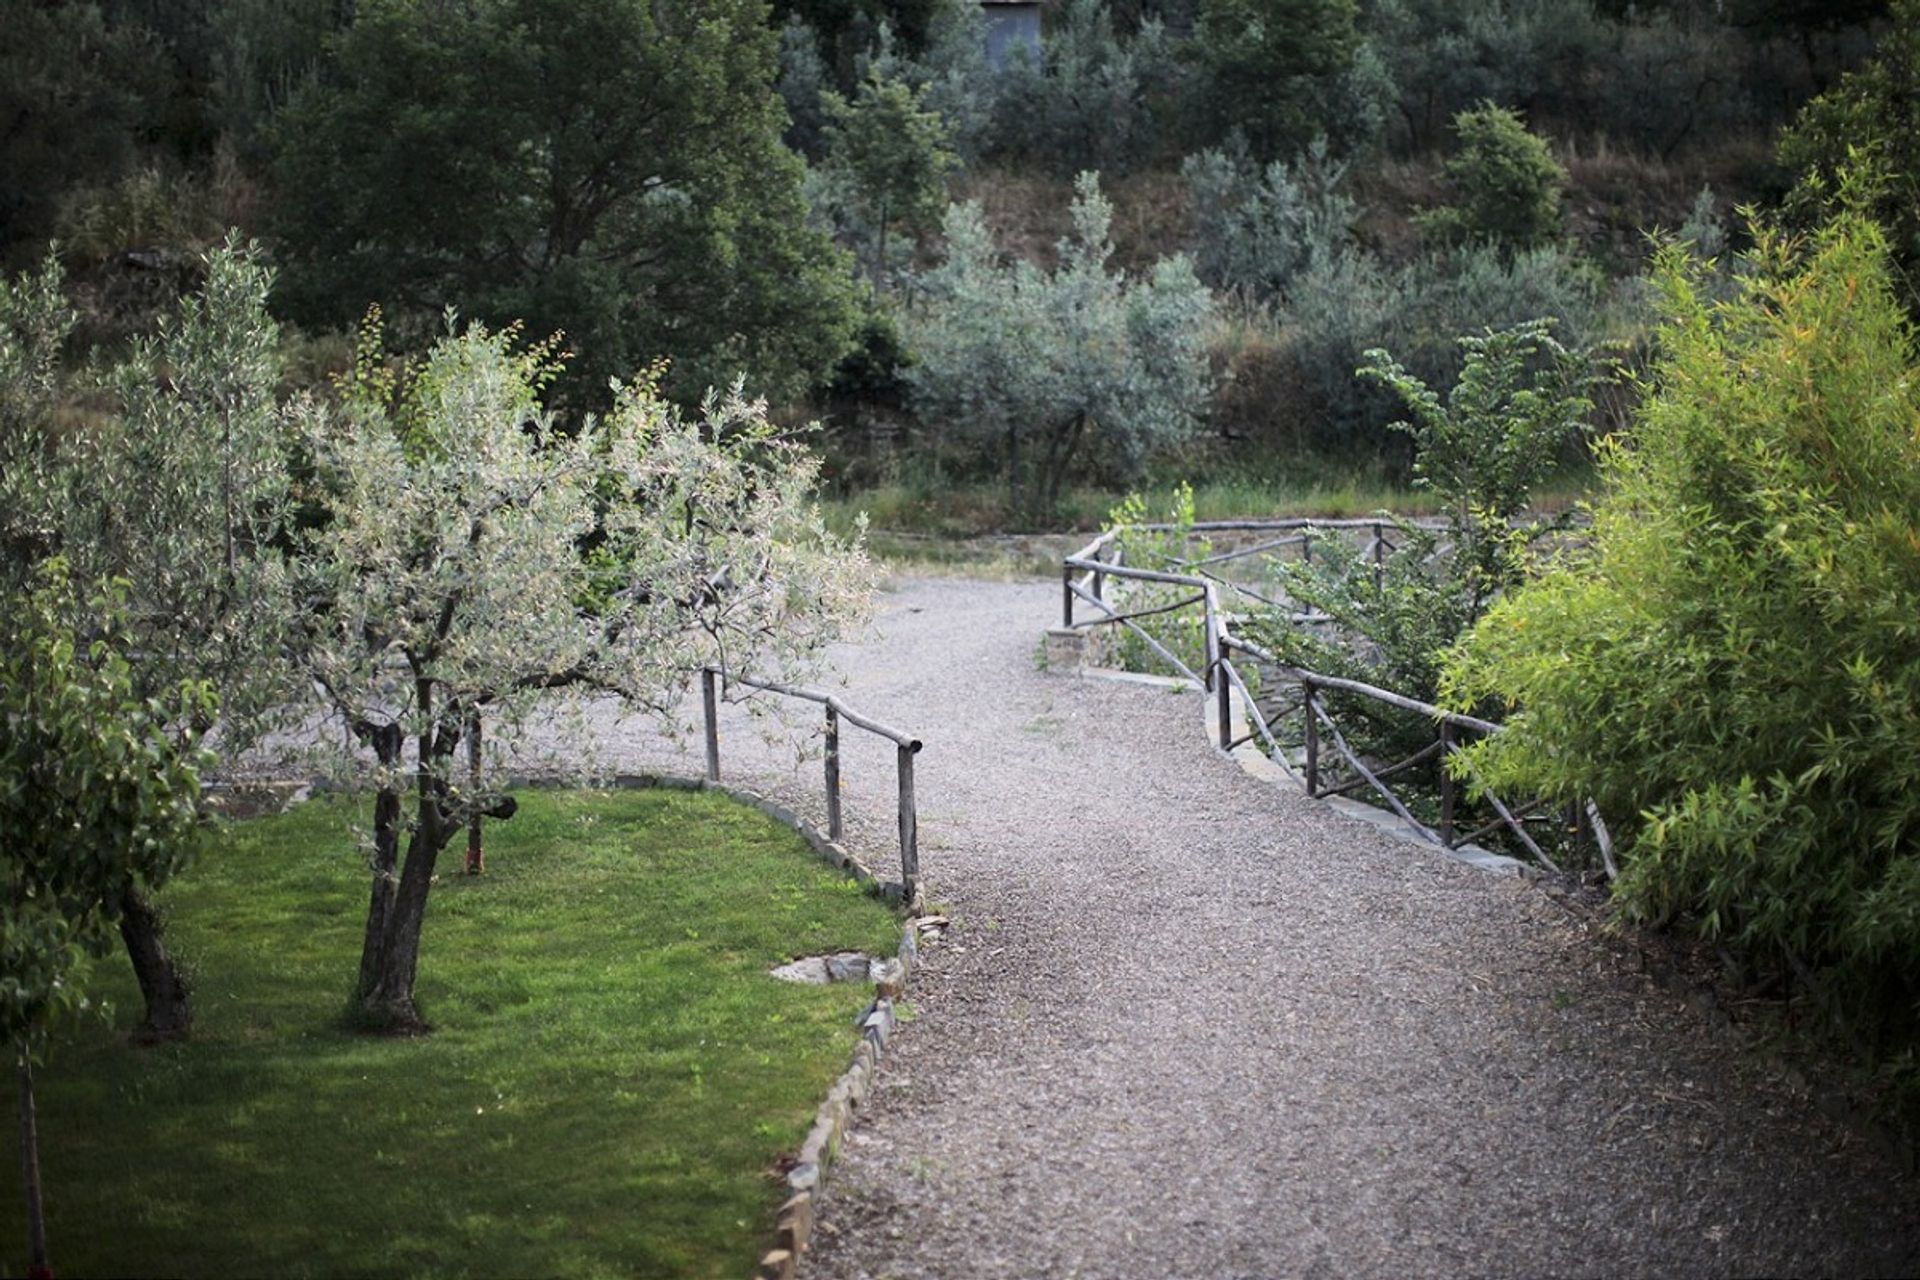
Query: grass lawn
(612, 1076)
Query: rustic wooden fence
(1085, 576)
(713, 682)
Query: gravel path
(1191, 1025)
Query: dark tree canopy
(1267, 68)
(1859, 145)
(608, 168)
(73, 91)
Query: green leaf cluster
(98, 792)
(1857, 147)
(1507, 184)
(1482, 450)
(1730, 665)
(1269, 68)
(610, 169)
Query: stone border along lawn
(801, 1177)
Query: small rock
(848, 966)
(889, 977)
(811, 970)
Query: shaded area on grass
(612, 1077)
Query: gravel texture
(1189, 1024)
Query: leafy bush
(1727, 665)
(1255, 229)
(1181, 631)
(1270, 69)
(803, 82)
(1040, 366)
(1085, 104)
(887, 158)
(1482, 450)
(1346, 301)
(1506, 180)
(1860, 143)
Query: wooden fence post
(909, 828)
(833, 774)
(1379, 552)
(1313, 741)
(476, 853)
(1447, 786)
(710, 703)
(1223, 690)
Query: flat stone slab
(818, 971)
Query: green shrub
(1481, 450)
(1507, 182)
(1256, 229)
(1860, 143)
(1048, 368)
(1728, 664)
(1346, 302)
(1181, 631)
(1271, 69)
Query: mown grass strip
(611, 1078)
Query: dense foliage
(175, 483)
(98, 798)
(1481, 450)
(97, 792)
(1727, 663)
(1505, 181)
(1858, 147)
(1045, 364)
(607, 169)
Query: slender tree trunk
(388, 1003)
(169, 1014)
(476, 852)
(387, 741)
(38, 1268)
(387, 972)
(1013, 466)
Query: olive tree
(1042, 364)
(446, 574)
(175, 482)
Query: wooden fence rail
(1085, 576)
(713, 682)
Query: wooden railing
(713, 681)
(1085, 576)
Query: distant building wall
(1011, 24)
